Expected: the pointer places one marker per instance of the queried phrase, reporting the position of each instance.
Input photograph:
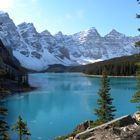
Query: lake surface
(64, 100)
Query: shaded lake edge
(18, 90)
(110, 76)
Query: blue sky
(71, 16)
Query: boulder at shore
(123, 128)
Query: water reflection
(64, 100)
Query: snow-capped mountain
(36, 51)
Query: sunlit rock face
(36, 51)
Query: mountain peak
(25, 24)
(4, 18)
(89, 33)
(3, 13)
(59, 33)
(91, 30)
(114, 33)
(27, 27)
(45, 32)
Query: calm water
(64, 100)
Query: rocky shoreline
(123, 128)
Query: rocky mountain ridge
(36, 51)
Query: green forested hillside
(122, 66)
(12, 77)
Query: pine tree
(137, 44)
(21, 128)
(3, 113)
(3, 124)
(105, 109)
(136, 96)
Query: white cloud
(6, 4)
(10, 4)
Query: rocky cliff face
(36, 51)
(7, 58)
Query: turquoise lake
(63, 100)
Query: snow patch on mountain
(36, 51)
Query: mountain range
(36, 51)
